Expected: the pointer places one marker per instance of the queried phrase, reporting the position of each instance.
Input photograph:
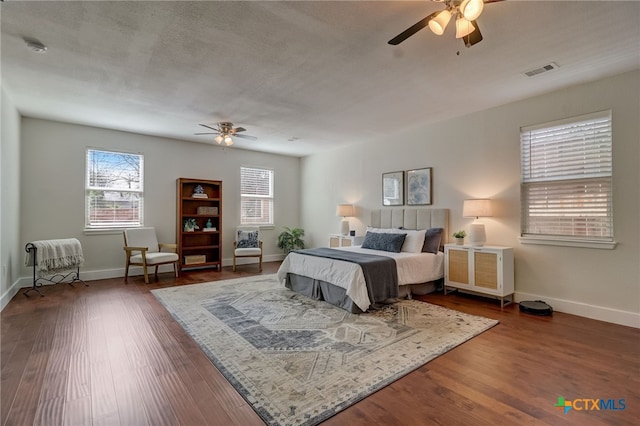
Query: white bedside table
(337, 240)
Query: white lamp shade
(228, 141)
(344, 210)
(439, 23)
(471, 9)
(477, 208)
(219, 139)
(463, 27)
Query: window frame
(253, 197)
(594, 174)
(90, 226)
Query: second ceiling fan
(465, 13)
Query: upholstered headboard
(412, 219)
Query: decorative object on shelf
(198, 192)
(459, 236)
(195, 259)
(344, 210)
(290, 239)
(419, 187)
(393, 189)
(190, 225)
(208, 225)
(212, 211)
(477, 208)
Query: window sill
(566, 242)
(102, 231)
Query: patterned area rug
(298, 361)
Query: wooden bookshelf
(199, 201)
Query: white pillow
(413, 242)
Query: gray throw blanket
(380, 272)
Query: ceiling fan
(465, 11)
(225, 131)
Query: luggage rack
(54, 279)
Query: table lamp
(477, 208)
(344, 210)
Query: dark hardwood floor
(110, 354)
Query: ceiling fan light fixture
(440, 22)
(218, 139)
(228, 141)
(471, 9)
(463, 27)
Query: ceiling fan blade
(239, 129)
(206, 133)
(209, 127)
(474, 37)
(412, 29)
(253, 138)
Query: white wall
(11, 254)
(479, 156)
(52, 197)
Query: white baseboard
(630, 319)
(102, 274)
(8, 295)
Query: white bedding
(413, 268)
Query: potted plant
(289, 239)
(459, 236)
(190, 225)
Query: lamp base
(344, 227)
(477, 235)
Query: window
(566, 180)
(256, 196)
(114, 189)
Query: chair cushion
(142, 237)
(247, 237)
(248, 252)
(155, 258)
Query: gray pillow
(384, 242)
(432, 240)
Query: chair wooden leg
(260, 263)
(126, 271)
(156, 275)
(234, 263)
(146, 274)
(175, 269)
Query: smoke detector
(35, 45)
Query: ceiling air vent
(540, 70)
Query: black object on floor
(537, 307)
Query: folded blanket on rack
(55, 256)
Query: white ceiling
(301, 76)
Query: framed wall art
(393, 189)
(419, 187)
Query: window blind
(566, 178)
(114, 189)
(256, 196)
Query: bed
(343, 283)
